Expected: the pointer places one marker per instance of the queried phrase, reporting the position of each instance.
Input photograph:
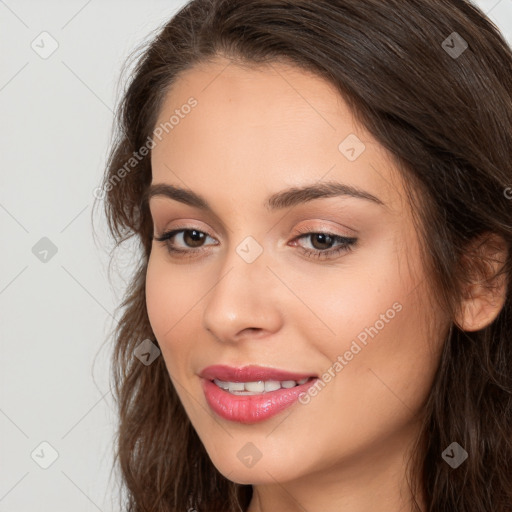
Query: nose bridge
(242, 297)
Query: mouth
(258, 387)
(252, 393)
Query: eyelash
(347, 243)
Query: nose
(244, 301)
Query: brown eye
(324, 241)
(322, 244)
(183, 240)
(193, 238)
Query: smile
(257, 387)
(252, 393)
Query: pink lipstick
(252, 393)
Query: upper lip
(250, 373)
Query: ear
(486, 289)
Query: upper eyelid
(224, 228)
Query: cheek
(170, 295)
(158, 294)
(376, 318)
(346, 300)
(169, 303)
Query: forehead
(262, 99)
(274, 124)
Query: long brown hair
(432, 82)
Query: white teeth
(257, 387)
(221, 384)
(272, 385)
(236, 386)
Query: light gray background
(56, 122)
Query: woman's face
(269, 283)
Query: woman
(321, 316)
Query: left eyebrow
(296, 195)
(278, 201)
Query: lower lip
(251, 408)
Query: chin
(262, 472)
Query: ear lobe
(485, 292)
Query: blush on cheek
(156, 304)
(167, 308)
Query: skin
(256, 131)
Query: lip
(250, 408)
(250, 373)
